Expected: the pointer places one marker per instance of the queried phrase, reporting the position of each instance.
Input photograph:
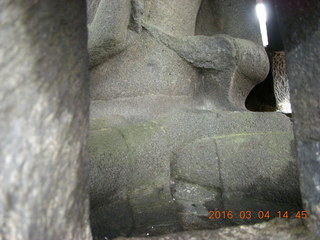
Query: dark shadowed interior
(161, 119)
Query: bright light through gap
(262, 16)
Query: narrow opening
(262, 16)
(273, 93)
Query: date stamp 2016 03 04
(256, 215)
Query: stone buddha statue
(170, 136)
(171, 66)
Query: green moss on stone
(107, 146)
(141, 133)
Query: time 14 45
(298, 214)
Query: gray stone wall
(299, 24)
(43, 120)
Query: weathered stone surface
(204, 52)
(249, 180)
(108, 29)
(156, 151)
(278, 229)
(171, 171)
(150, 68)
(193, 202)
(236, 65)
(236, 18)
(281, 82)
(43, 120)
(113, 24)
(137, 109)
(196, 162)
(116, 150)
(299, 23)
(145, 68)
(112, 220)
(92, 7)
(174, 16)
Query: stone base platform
(166, 174)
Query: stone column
(43, 120)
(299, 22)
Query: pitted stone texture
(154, 210)
(302, 49)
(112, 219)
(108, 29)
(193, 202)
(236, 18)
(43, 120)
(278, 229)
(179, 151)
(231, 67)
(116, 150)
(253, 184)
(263, 149)
(201, 51)
(145, 68)
(309, 157)
(92, 7)
(197, 162)
(174, 16)
(132, 64)
(137, 109)
(244, 173)
(113, 25)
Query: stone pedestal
(166, 174)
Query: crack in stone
(220, 174)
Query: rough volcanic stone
(187, 162)
(250, 159)
(145, 68)
(124, 18)
(195, 162)
(115, 148)
(153, 210)
(231, 67)
(159, 80)
(174, 16)
(136, 66)
(137, 109)
(250, 181)
(193, 202)
(236, 18)
(299, 24)
(112, 219)
(92, 6)
(43, 120)
(108, 28)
